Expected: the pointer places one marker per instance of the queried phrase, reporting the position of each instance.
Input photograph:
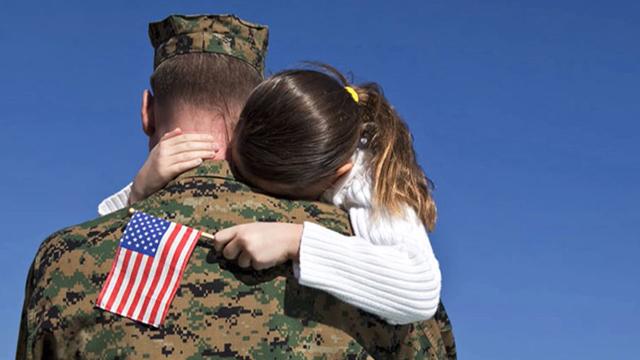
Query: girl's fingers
(244, 260)
(222, 237)
(181, 167)
(188, 156)
(178, 139)
(191, 146)
(172, 133)
(262, 266)
(232, 250)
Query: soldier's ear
(147, 114)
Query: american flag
(147, 268)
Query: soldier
(205, 67)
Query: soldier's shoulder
(96, 238)
(193, 197)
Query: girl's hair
(300, 126)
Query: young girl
(307, 134)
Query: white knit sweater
(388, 268)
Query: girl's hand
(261, 245)
(174, 154)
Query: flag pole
(203, 234)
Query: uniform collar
(210, 168)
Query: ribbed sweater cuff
(115, 202)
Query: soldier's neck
(194, 120)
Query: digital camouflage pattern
(221, 34)
(220, 311)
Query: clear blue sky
(525, 114)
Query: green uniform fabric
(221, 34)
(220, 310)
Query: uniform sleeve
(115, 202)
(387, 269)
(23, 335)
(32, 343)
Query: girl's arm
(387, 269)
(174, 154)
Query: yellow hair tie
(353, 93)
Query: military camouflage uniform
(220, 310)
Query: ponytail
(397, 176)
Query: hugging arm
(387, 269)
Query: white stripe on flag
(154, 267)
(183, 254)
(163, 274)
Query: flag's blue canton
(144, 233)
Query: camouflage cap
(221, 34)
